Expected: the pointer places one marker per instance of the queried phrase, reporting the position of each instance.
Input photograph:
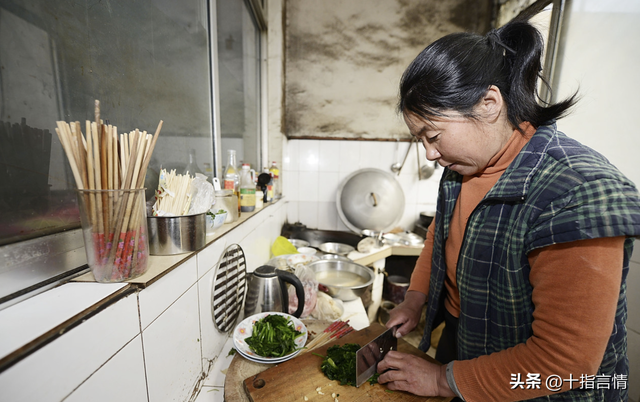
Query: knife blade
(368, 356)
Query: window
(146, 61)
(239, 80)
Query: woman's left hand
(405, 372)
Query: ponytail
(455, 72)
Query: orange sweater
(575, 308)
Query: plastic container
(114, 227)
(282, 246)
(247, 190)
(277, 182)
(227, 200)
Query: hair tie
(494, 39)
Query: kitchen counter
(384, 252)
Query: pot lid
(370, 199)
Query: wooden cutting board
(299, 377)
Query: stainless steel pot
(169, 235)
(336, 248)
(395, 287)
(356, 278)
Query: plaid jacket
(556, 190)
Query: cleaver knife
(368, 356)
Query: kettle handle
(292, 279)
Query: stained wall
(344, 60)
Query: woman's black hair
(455, 72)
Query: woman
(527, 256)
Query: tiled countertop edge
(159, 267)
(37, 341)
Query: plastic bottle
(247, 190)
(231, 178)
(277, 182)
(192, 166)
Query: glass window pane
(239, 82)
(145, 61)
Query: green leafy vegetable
(273, 336)
(232, 352)
(340, 364)
(220, 212)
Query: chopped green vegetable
(220, 212)
(232, 352)
(273, 336)
(340, 363)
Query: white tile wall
(158, 297)
(25, 321)
(121, 378)
(54, 371)
(327, 216)
(172, 350)
(212, 340)
(314, 170)
(210, 257)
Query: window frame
(259, 16)
(53, 259)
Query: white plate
(245, 330)
(305, 259)
(262, 361)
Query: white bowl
(307, 250)
(215, 222)
(305, 259)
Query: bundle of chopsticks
(173, 197)
(102, 159)
(336, 330)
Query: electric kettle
(267, 291)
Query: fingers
(400, 371)
(393, 360)
(405, 317)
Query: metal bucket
(169, 235)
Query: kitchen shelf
(160, 265)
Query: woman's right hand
(407, 314)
